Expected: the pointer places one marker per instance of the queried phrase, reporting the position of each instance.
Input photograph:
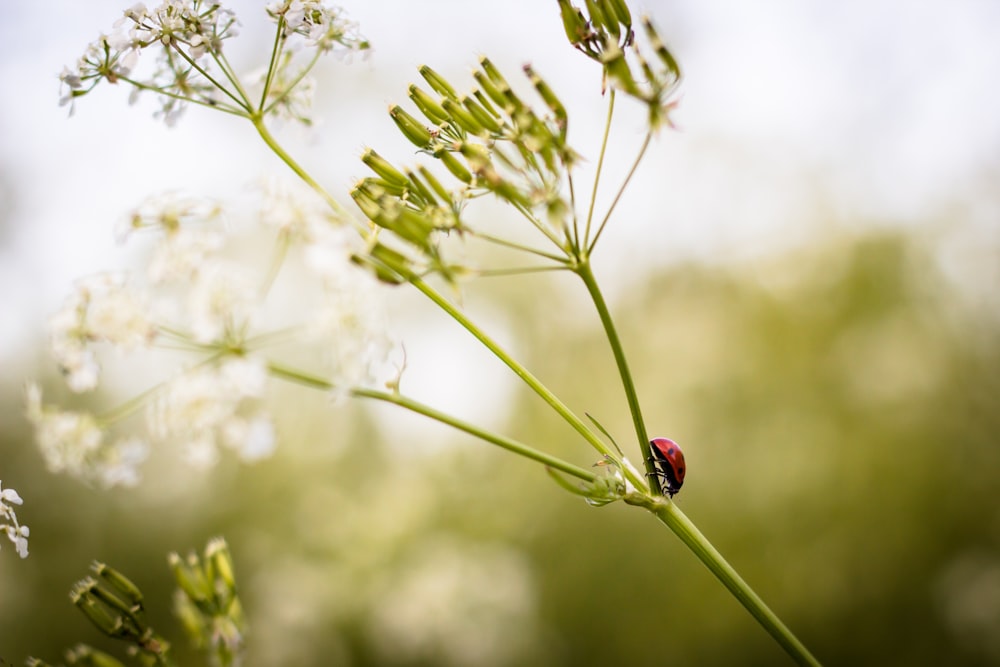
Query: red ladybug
(668, 460)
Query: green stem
(265, 134)
(303, 378)
(621, 191)
(587, 275)
(677, 521)
(525, 375)
(499, 440)
(600, 165)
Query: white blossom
(102, 309)
(221, 301)
(296, 211)
(180, 255)
(349, 326)
(76, 443)
(16, 533)
(323, 26)
(205, 408)
(253, 439)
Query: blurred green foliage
(838, 410)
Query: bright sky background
(887, 112)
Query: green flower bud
(453, 165)
(619, 11)
(417, 192)
(110, 624)
(86, 656)
(477, 155)
(482, 116)
(574, 22)
(598, 20)
(660, 49)
(363, 196)
(381, 166)
(409, 225)
(491, 90)
(462, 117)
(217, 552)
(492, 72)
(549, 97)
(438, 83)
(411, 128)
(435, 184)
(486, 104)
(191, 579)
(618, 70)
(119, 583)
(390, 267)
(428, 105)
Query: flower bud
(618, 10)
(485, 119)
(438, 83)
(660, 49)
(417, 192)
(549, 97)
(574, 22)
(618, 70)
(86, 656)
(462, 117)
(110, 624)
(491, 90)
(453, 165)
(428, 105)
(381, 166)
(435, 184)
(411, 128)
(390, 266)
(598, 20)
(121, 584)
(190, 578)
(492, 72)
(217, 553)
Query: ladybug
(668, 461)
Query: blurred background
(806, 280)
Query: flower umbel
(201, 297)
(188, 39)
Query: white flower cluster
(188, 37)
(197, 294)
(103, 309)
(76, 443)
(182, 31)
(16, 533)
(200, 26)
(206, 407)
(323, 27)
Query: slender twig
(600, 165)
(621, 191)
(511, 445)
(534, 383)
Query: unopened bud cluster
(490, 141)
(114, 605)
(604, 33)
(207, 603)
